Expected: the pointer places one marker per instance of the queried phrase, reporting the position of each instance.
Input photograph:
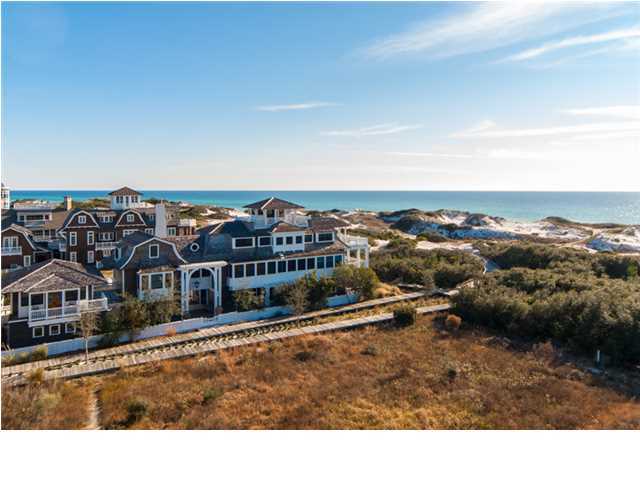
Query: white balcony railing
(106, 245)
(354, 242)
(40, 314)
(12, 250)
(187, 222)
(43, 238)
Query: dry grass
(47, 406)
(414, 378)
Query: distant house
(275, 244)
(88, 235)
(43, 302)
(19, 248)
(5, 198)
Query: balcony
(43, 238)
(187, 222)
(11, 251)
(58, 244)
(106, 245)
(34, 223)
(354, 242)
(40, 315)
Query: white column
(358, 257)
(267, 296)
(183, 291)
(366, 257)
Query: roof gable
(273, 203)
(44, 274)
(125, 191)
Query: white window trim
(158, 250)
(73, 256)
(130, 218)
(128, 232)
(73, 239)
(82, 219)
(164, 280)
(260, 239)
(91, 256)
(253, 242)
(333, 237)
(26, 261)
(91, 238)
(51, 329)
(35, 329)
(70, 327)
(171, 231)
(148, 231)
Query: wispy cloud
(589, 128)
(429, 154)
(295, 106)
(383, 129)
(615, 35)
(619, 111)
(487, 26)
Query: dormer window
(82, 219)
(130, 217)
(154, 251)
(325, 237)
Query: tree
(163, 309)
(297, 297)
(135, 314)
(319, 290)
(360, 280)
(87, 326)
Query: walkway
(148, 350)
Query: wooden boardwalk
(209, 345)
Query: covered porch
(201, 287)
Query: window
(152, 217)
(264, 241)
(157, 281)
(308, 238)
(261, 268)
(299, 239)
(171, 231)
(106, 218)
(82, 219)
(320, 262)
(194, 247)
(250, 269)
(302, 264)
(282, 266)
(338, 259)
(238, 271)
(279, 241)
(27, 260)
(70, 295)
(271, 268)
(243, 242)
(9, 241)
(73, 239)
(37, 332)
(311, 263)
(154, 251)
(325, 237)
(291, 266)
(148, 231)
(91, 256)
(73, 256)
(329, 262)
(289, 240)
(119, 199)
(127, 232)
(91, 238)
(54, 329)
(130, 217)
(70, 327)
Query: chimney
(68, 203)
(161, 221)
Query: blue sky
(498, 96)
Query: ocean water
(619, 207)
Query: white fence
(181, 326)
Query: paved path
(251, 336)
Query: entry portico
(201, 285)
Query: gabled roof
(273, 203)
(286, 227)
(125, 191)
(326, 223)
(48, 275)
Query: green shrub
(39, 353)
(404, 315)
(245, 300)
(136, 410)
